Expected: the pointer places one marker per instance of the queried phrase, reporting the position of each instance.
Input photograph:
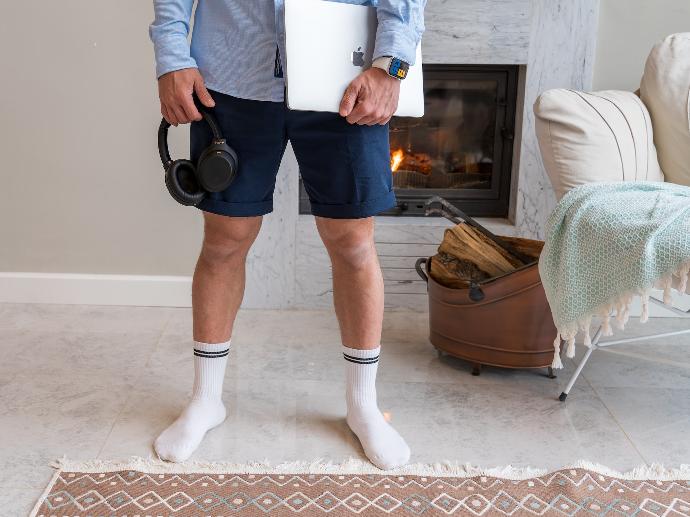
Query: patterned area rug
(145, 488)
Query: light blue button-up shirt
(234, 41)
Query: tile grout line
(136, 381)
(649, 360)
(620, 426)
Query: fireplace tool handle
(457, 216)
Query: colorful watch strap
(393, 66)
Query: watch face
(398, 68)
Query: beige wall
(627, 31)
(82, 188)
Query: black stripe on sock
(211, 355)
(361, 360)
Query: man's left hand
(372, 98)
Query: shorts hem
(355, 211)
(215, 206)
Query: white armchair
(621, 136)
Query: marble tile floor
(101, 382)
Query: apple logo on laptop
(358, 57)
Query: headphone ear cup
(181, 181)
(217, 167)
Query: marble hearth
(552, 42)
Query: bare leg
(358, 299)
(219, 278)
(217, 293)
(357, 279)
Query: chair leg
(581, 365)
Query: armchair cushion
(595, 137)
(665, 89)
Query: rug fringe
(356, 466)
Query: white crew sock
(382, 444)
(205, 410)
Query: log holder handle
(420, 270)
(475, 293)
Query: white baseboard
(84, 289)
(151, 290)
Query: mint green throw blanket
(607, 243)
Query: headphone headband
(164, 151)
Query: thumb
(349, 99)
(202, 93)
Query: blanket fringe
(557, 363)
(355, 466)
(684, 274)
(620, 309)
(645, 307)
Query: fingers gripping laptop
(340, 39)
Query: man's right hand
(175, 91)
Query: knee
(352, 247)
(227, 241)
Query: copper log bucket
(505, 321)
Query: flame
(396, 159)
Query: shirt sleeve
(401, 25)
(169, 33)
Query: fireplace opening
(462, 149)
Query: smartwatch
(393, 66)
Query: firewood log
(447, 270)
(467, 244)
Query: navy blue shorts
(345, 167)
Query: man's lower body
(346, 172)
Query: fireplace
(462, 149)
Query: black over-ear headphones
(216, 169)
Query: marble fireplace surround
(553, 41)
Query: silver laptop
(328, 44)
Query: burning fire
(396, 159)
